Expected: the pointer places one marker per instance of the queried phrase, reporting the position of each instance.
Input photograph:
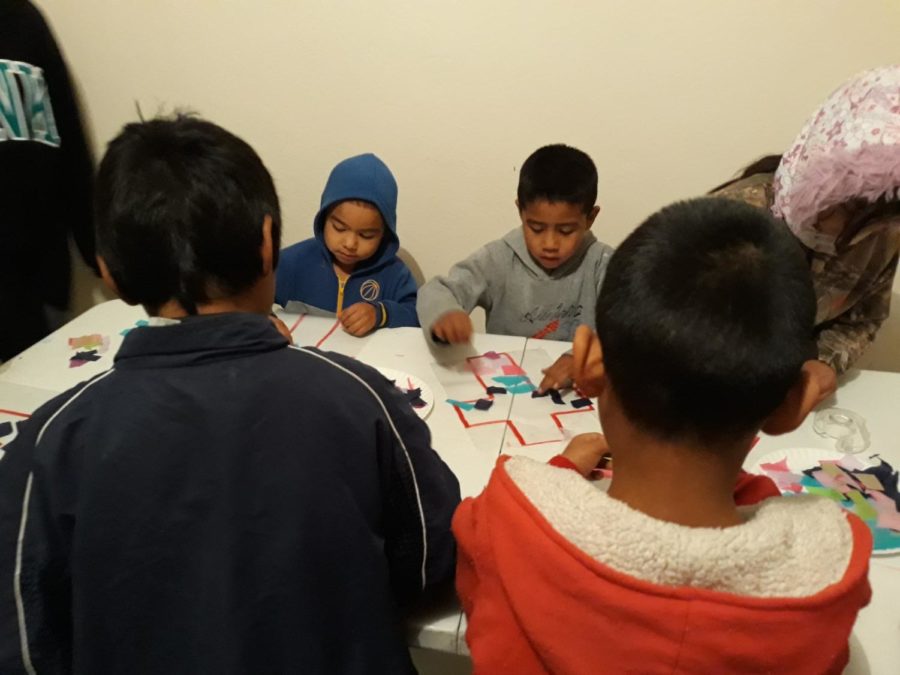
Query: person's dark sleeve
(420, 496)
(35, 597)
(74, 199)
(466, 286)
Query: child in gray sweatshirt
(540, 280)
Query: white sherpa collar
(788, 547)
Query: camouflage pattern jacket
(853, 286)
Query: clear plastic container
(845, 426)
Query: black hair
(558, 173)
(179, 209)
(706, 316)
(765, 164)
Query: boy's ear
(588, 371)
(815, 383)
(266, 250)
(592, 216)
(107, 277)
(518, 208)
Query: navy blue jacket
(306, 272)
(219, 503)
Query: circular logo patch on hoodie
(370, 290)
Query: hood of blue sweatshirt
(366, 178)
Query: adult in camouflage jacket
(837, 190)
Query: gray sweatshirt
(520, 298)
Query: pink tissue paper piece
(784, 479)
(888, 517)
(850, 462)
(513, 370)
(775, 466)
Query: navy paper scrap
(581, 403)
(91, 355)
(483, 404)
(414, 398)
(496, 390)
(554, 395)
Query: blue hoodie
(305, 270)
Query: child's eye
(338, 227)
(565, 231)
(367, 235)
(537, 229)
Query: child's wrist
(381, 314)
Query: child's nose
(551, 241)
(351, 242)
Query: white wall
(670, 98)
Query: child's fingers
(456, 333)
(557, 376)
(549, 381)
(351, 311)
(455, 327)
(463, 328)
(361, 319)
(355, 324)
(450, 331)
(357, 329)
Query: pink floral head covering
(850, 148)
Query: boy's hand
(585, 451)
(281, 328)
(453, 327)
(359, 319)
(559, 375)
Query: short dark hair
(558, 173)
(179, 208)
(706, 316)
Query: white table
(42, 371)
(875, 645)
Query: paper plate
(405, 381)
(887, 541)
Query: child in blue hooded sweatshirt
(350, 267)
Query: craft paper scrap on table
(470, 381)
(545, 422)
(535, 418)
(87, 348)
(864, 486)
(416, 392)
(140, 323)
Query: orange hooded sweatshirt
(557, 577)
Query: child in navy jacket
(217, 502)
(350, 267)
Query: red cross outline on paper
(323, 338)
(509, 423)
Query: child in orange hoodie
(686, 565)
